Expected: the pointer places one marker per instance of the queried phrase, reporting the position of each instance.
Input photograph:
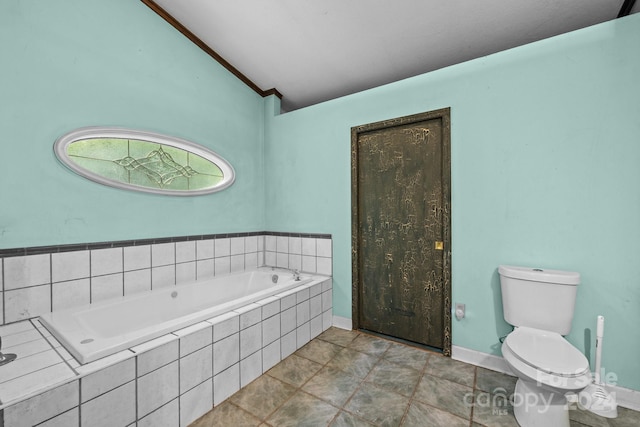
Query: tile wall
(301, 253)
(172, 380)
(40, 280)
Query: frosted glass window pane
(143, 161)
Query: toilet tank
(538, 298)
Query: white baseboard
(625, 397)
(342, 322)
(484, 360)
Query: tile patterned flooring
(349, 378)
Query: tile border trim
(38, 250)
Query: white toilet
(540, 303)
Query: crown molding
(212, 53)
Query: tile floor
(348, 378)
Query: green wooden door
(402, 233)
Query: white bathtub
(98, 330)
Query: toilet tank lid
(540, 275)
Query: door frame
(444, 115)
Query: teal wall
(545, 154)
(74, 63)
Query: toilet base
(534, 406)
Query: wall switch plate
(460, 310)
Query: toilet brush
(595, 397)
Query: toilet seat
(547, 351)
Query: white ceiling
(315, 50)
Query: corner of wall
(342, 322)
(272, 106)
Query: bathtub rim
(309, 280)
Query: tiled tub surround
(93, 331)
(169, 381)
(34, 281)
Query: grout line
(50, 284)
(195, 255)
(423, 372)
(90, 280)
(239, 354)
(179, 372)
(135, 373)
(65, 361)
(123, 280)
(41, 284)
(49, 387)
(62, 413)
(4, 308)
(151, 266)
(382, 357)
(213, 398)
(473, 390)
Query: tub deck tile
(37, 409)
(302, 295)
(26, 349)
(250, 340)
(104, 362)
(327, 285)
(157, 388)
(271, 355)
(315, 326)
(249, 315)
(315, 289)
(25, 365)
(287, 299)
(165, 416)
(66, 419)
(10, 340)
(226, 383)
(270, 329)
(194, 337)
(107, 379)
(34, 383)
(156, 342)
(226, 353)
(116, 407)
(196, 368)
(196, 402)
(14, 328)
(151, 357)
(37, 367)
(270, 306)
(250, 368)
(225, 325)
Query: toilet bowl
(539, 304)
(546, 358)
(547, 367)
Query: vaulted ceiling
(311, 51)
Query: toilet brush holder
(595, 397)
